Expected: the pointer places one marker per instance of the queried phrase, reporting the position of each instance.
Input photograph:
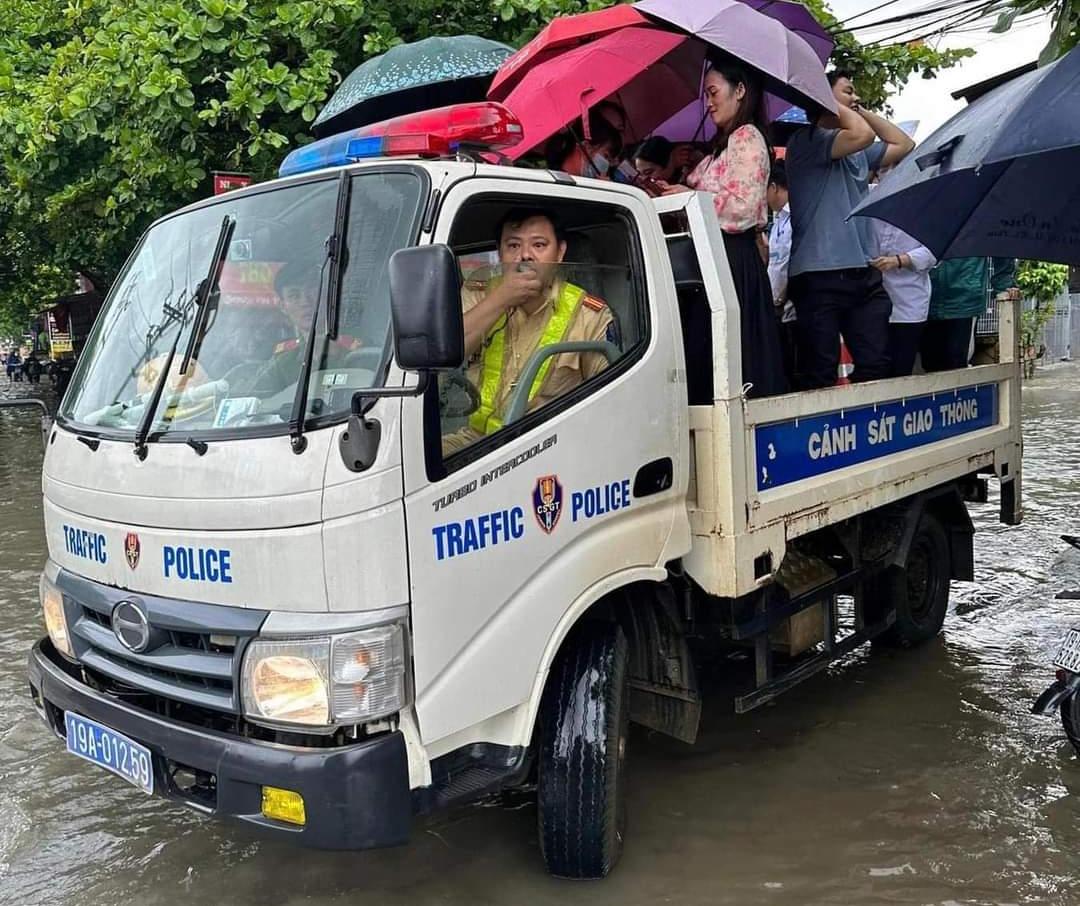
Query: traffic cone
(846, 366)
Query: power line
(947, 26)
(923, 30)
(1027, 20)
(919, 13)
(866, 12)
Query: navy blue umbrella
(423, 75)
(1002, 177)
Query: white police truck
(277, 594)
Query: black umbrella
(434, 72)
(1002, 177)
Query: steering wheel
(366, 357)
(519, 398)
(456, 379)
(241, 378)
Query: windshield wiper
(202, 294)
(337, 255)
(155, 397)
(334, 256)
(299, 409)
(206, 292)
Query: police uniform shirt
(593, 321)
(284, 366)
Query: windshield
(257, 317)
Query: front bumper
(355, 797)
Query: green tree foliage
(112, 112)
(1041, 281)
(1064, 17)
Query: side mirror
(425, 304)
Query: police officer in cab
(298, 289)
(529, 305)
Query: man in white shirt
(779, 238)
(779, 255)
(905, 272)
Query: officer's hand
(521, 285)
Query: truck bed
(766, 471)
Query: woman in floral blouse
(737, 175)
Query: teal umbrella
(423, 75)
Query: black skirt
(762, 352)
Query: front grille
(194, 652)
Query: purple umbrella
(799, 20)
(789, 65)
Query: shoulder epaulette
(286, 346)
(594, 303)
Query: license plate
(111, 750)
(1069, 655)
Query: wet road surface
(897, 777)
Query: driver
(509, 317)
(298, 289)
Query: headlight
(349, 678)
(52, 606)
(285, 682)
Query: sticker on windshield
(234, 408)
(334, 379)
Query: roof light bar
(430, 133)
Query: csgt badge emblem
(132, 549)
(547, 501)
(130, 626)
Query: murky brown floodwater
(908, 777)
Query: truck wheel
(919, 590)
(585, 719)
(1070, 720)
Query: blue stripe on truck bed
(817, 444)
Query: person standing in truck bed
(737, 175)
(834, 289)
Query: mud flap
(664, 692)
(947, 505)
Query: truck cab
(288, 585)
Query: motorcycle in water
(1062, 695)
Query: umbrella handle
(585, 113)
(942, 154)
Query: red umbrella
(562, 33)
(650, 72)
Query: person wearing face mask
(737, 176)
(593, 156)
(507, 318)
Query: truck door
(515, 525)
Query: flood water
(898, 777)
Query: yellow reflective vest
(492, 364)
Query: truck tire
(585, 718)
(1070, 720)
(919, 590)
